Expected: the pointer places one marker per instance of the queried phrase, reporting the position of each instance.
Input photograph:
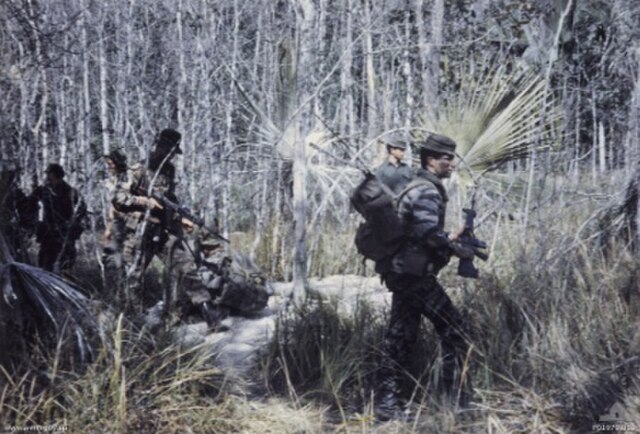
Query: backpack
(244, 286)
(381, 235)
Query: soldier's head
(397, 146)
(9, 171)
(55, 174)
(116, 161)
(207, 242)
(437, 154)
(168, 143)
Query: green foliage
(494, 117)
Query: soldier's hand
(453, 236)
(154, 204)
(187, 225)
(462, 251)
(149, 202)
(106, 236)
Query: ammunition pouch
(414, 260)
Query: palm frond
(58, 310)
(496, 118)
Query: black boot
(388, 404)
(213, 315)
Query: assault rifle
(468, 239)
(186, 213)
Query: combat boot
(388, 407)
(213, 315)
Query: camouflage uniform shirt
(422, 213)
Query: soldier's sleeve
(123, 196)
(425, 201)
(80, 206)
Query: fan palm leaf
(57, 308)
(496, 118)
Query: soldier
(213, 283)
(63, 211)
(134, 196)
(199, 264)
(412, 279)
(113, 236)
(394, 172)
(17, 211)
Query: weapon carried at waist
(186, 213)
(468, 239)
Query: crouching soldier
(212, 284)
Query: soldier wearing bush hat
(394, 173)
(440, 145)
(412, 279)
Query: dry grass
(552, 321)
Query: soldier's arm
(425, 202)
(125, 196)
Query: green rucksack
(381, 235)
(244, 286)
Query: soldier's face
(53, 179)
(397, 153)
(442, 167)
(111, 166)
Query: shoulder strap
(413, 184)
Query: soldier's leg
(68, 256)
(449, 325)
(48, 253)
(132, 269)
(402, 333)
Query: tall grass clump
(552, 324)
(136, 384)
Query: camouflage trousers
(412, 298)
(137, 253)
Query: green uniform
(143, 239)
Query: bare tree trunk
(372, 113)
(431, 57)
(303, 65)
(104, 117)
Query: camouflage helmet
(118, 158)
(205, 238)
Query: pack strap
(383, 186)
(412, 185)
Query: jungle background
(280, 104)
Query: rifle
(468, 239)
(185, 212)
